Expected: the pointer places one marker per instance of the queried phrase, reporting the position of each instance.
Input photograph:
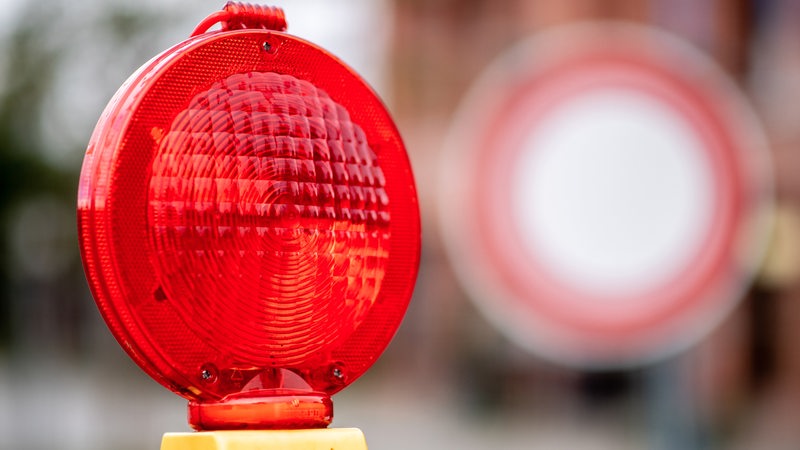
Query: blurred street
(450, 379)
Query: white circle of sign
(644, 194)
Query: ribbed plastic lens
(266, 195)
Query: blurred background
(449, 379)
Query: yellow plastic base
(319, 439)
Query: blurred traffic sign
(605, 194)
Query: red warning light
(249, 223)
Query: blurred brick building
(746, 375)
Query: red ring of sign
(522, 285)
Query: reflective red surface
(249, 226)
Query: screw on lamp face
(208, 373)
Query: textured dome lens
(267, 205)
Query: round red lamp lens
(249, 226)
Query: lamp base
(312, 439)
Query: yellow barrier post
(316, 439)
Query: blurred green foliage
(27, 75)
